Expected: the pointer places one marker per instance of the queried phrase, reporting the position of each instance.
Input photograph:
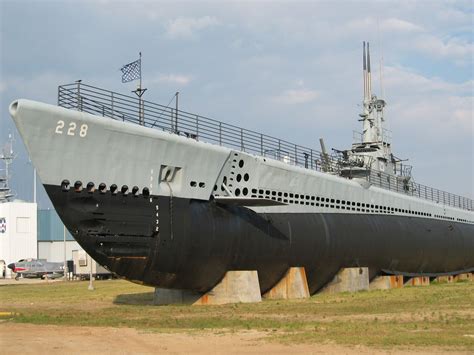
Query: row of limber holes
(452, 218)
(333, 203)
(464, 220)
(445, 217)
(102, 188)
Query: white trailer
(84, 266)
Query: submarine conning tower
(371, 149)
(372, 115)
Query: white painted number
(72, 129)
(59, 127)
(83, 131)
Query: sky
(292, 70)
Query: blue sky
(288, 69)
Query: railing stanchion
(172, 120)
(177, 112)
(242, 139)
(79, 105)
(220, 133)
(112, 104)
(261, 144)
(197, 126)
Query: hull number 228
(72, 129)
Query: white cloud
(186, 27)
(41, 87)
(399, 25)
(237, 43)
(460, 51)
(263, 63)
(391, 24)
(405, 80)
(296, 96)
(452, 111)
(430, 105)
(177, 79)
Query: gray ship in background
(174, 200)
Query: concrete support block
(386, 282)
(292, 286)
(418, 281)
(349, 280)
(463, 277)
(445, 279)
(235, 287)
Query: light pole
(34, 184)
(91, 286)
(65, 259)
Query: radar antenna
(7, 156)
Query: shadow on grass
(135, 299)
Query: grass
(441, 315)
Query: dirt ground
(50, 339)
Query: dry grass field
(431, 319)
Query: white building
(18, 223)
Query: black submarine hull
(189, 244)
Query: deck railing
(97, 101)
